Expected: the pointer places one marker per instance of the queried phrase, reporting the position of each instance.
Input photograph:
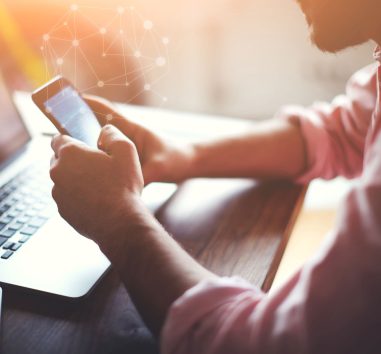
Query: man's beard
(332, 40)
(336, 25)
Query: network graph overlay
(115, 51)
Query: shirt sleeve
(331, 306)
(335, 133)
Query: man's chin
(333, 44)
(325, 45)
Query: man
(333, 304)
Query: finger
(107, 114)
(102, 108)
(53, 161)
(114, 142)
(126, 126)
(60, 141)
(55, 193)
(148, 173)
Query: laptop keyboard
(25, 206)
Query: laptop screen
(13, 133)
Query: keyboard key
(2, 225)
(15, 247)
(6, 219)
(23, 219)
(17, 196)
(8, 245)
(2, 195)
(7, 233)
(16, 226)
(6, 254)
(20, 207)
(31, 213)
(24, 239)
(3, 240)
(29, 230)
(28, 200)
(4, 209)
(12, 214)
(37, 221)
(13, 200)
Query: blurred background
(236, 58)
(241, 58)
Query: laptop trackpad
(56, 260)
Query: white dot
(103, 55)
(42, 48)
(109, 117)
(165, 99)
(121, 31)
(127, 84)
(74, 7)
(165, 40)
(148, 25)
(132, 8)
(100, 83)
(65, 23)
(161, 61)
(60, 61)
(137, 54)
(103, 30)
(45, 37)
(75, 43)
(48, 110)
(120, 10)
(147, 87)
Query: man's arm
(154, 268)
(270, 149)
(325, 141)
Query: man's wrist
(189, 165)
(130, 216)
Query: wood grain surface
(233, 227)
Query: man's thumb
(113, 142)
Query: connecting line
(126, 29)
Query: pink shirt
(333, 304)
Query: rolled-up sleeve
(335, 133)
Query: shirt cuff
(197, 303)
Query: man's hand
(97, 190)
(161, 161)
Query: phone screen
(74, 115)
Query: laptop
(38, 249)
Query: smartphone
(68, 111)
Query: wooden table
(236, 227)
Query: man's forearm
(154, 268)
(272, 149)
